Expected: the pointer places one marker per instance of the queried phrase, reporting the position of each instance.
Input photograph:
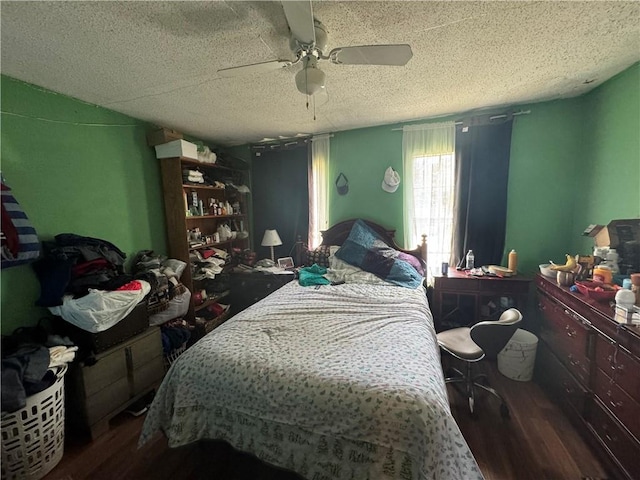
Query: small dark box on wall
(136, 322)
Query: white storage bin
(33, 437)
(517, 359)
(177, 148)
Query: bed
(340, 381)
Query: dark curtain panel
(280, 198)
(482, 173)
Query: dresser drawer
(147, 375)
(107, 370)
(619, 366)
(625, 450)
(145, 349)
(561, 384)
(618, 402)
(101, 404)
(568, 338)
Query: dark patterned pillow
(319, 255)
(365, 249)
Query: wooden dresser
(113, 380)
(591, 365)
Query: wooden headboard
(339, 232)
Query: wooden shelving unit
(179, 221)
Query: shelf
(203, 187)
(200, 217)
(211, 300)
(191, 161)
(217, 244)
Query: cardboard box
(624, 237)
(615, 233)
(177, 148)
(162, 135)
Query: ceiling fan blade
(261, 67)
(372, 55)
(300, 19)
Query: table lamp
(271, 239)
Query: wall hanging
(20, 243)
(342, 184)
(391, 180)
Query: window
(319, 195)
(433, 197)
(429, 192)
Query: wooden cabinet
(460, 299)
(591, 366)
(103, 387)
(182, 218)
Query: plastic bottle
(513, 261)
(470, 260)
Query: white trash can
(516, 360)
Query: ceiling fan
(308, 42)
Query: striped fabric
(20, 243)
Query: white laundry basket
(33, 437)
(517, 359)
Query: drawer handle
(567, 388)
(619, 368)
(613, 404)
(570, 333)
(572, 361)
(611, 438)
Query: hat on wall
(391, 180)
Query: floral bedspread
(338, 382)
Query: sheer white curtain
(429, 189)
(319, 186)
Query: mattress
(333, 382)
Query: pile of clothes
(192, 176)
(82, 279)
(73, 264)
(208, 263)
(31, 359)
(168, 300)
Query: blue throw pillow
(365, 249)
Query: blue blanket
(365, 249)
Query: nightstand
(248, 288)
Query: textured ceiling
(157, 61)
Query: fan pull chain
(314, 108)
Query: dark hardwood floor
(537, 443)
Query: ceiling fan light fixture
(310, 79)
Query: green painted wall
(97, 181)
(611, 154)
(563, 155)
(363, 156)
(544, 182)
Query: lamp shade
(271, 239)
